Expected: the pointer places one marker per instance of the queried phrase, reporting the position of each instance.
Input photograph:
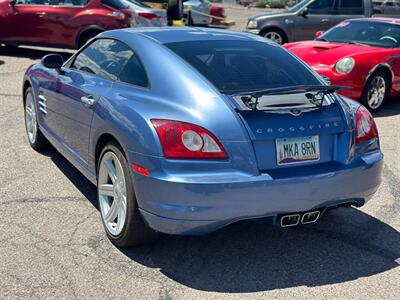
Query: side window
(321, 7)
(116, 4)
(103, 57)
(32, 2)
(71, 2)
(351, 7)
(134, 73)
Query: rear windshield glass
(240, 66)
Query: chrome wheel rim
(274, 36)
(112, 193)
(30, 118)
(376, 92)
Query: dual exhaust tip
(296, 219)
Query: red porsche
(363, 54)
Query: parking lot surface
(53, 244)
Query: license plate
(297, 150)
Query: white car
(200, 11)
(147, 16)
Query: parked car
(363, 54)
(61, 23)
(242, 130)
(301, 21)
(389, 7)
(148, 16)
(218, 14)
(174, 8)
(201, 13)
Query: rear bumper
(176, 205)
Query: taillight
(181, 140)
(149, 16)
(365, 126)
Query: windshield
(298, 6)
(378, 34)
(241, 66)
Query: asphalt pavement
(52, 243)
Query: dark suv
(301, 21)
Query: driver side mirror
(304, 12)
(12, 2)
(318, 34)
(53, 61)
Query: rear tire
(118, 206)
(376, 91)
(86, 37)
(35, 137)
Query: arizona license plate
(297, 150)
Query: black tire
(134, 232)
(377, 76)
(86, 37)
(175, 10)
(275, 32)
(10, 47)
(39, 142)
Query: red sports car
(363, 54)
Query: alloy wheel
(376, 92)
(274, 36)
(112, 193)
(30, 118)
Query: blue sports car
(186, 130)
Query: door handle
(88, 100)
(325, 20)
(41, 14)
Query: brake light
(181, 140)
(365, 126)
(149, 16)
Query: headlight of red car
(345, 65)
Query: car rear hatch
(299, 138)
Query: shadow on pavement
(344, 245)
(248, 257)
(77, 179)
(32, 53)
(390, 108)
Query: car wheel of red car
(375, 91)
(276, 35)
(86, 36)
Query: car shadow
(245, 257)
(390, 108)
(33, 53)
(78, 180)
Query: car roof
(164, 35)
(376, 19)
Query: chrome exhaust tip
(290, 220)
(310, 217)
